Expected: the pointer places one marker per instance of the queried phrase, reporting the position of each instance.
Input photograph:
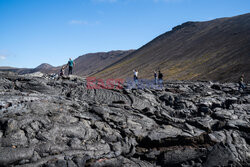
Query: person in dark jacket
(155, 76)
(160, 77)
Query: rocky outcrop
(46, 122)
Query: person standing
(155, 76)
(71, 64)
(160, 77)
(135, 76)
(241, 83)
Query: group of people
(70, 64)
(158, 78)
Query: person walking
(71, 64)
(241, 83)
(155, 76)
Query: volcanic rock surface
(61, 123)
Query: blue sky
(50, 31)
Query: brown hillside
(95, 62)
(217, 50)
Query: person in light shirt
(135, 76)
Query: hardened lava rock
(48, 122)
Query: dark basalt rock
(59, 122)
(220, 155)
(216, 87)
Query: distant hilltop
(85, 65)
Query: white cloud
(82, 22)
(79, 22)
(167, 0)
(6, 54)
(2, 57)
(110, 1)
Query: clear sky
(50, 31)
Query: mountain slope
(14, 69)
(95, 62)
(85, 64)
(213, 50)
